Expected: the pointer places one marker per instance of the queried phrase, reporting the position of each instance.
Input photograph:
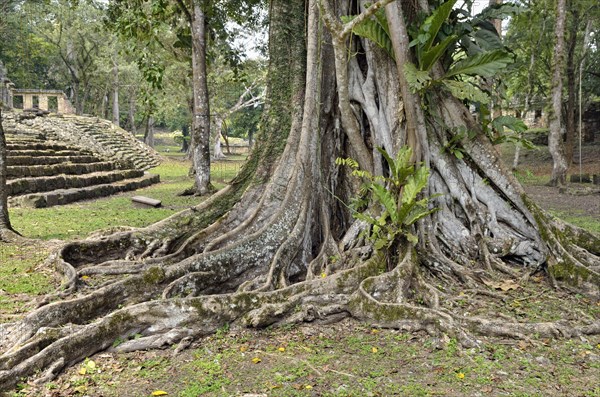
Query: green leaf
(415, 184)
(499, 11)
(466, 91)
(488, 40)
(412, 238)
(374, 31)
(390, 161)
(429, 58)
(435, 21)
(485, 64)
(416, 79)
(388, 201)
(510, 122)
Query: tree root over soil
(265, 253)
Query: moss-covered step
(48, 160)
(37, 145)
(66, 196)
(47, 153)
(23, 171)
(21, 186)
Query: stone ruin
(58, 158)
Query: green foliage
(485, 64)
(375, 29)
(396, 207)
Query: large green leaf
(386, 198)
(510, 122)
(464, 90)
(417, 79)
(414, 185)
(374, 31)
(434, 22)
(429, 58)
(488, 40)
(486, 64)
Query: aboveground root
(51, 338)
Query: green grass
(80, 219)
(583, 221)
(18, 275)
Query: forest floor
(348, 358)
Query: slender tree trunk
(555, 140)
(131, 111)
(149, 134)
(201, 115)
(5, 226)
(115, 107)
(571, 116)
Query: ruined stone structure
(31, 96)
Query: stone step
(66, 196)
(39, 145)
(48, 160)
(22, 171)
(46, 153)
(21, 186)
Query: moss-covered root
(575, 251)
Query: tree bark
(116, 116)
(149, 133)
(200, 143)
(6, 230)
(555, 137)
(571, 124)
(131, 111)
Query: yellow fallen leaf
(243, 348)
(374, 349)
(159, 393)
(374, 331)
(598, 345)
(90, 364)
(308, 387)
(281, 349)
(85, 277)
(82, 371)
(256, 360)
(460, 375)
(323, 275)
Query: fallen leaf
(522, 345)
(460, 375)
(85, 277)
(159, 393)
(308, 387)
(323, 275)
(243, 348)
(256, 360)
(281, 349)
(82, 371)
(374, 331)
(374, 350)
(504, 285)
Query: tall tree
(277, 246)
(555, 140)
(7, 233)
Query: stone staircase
(45, 169)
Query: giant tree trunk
(259, 252)
(555, 140)
(201, 112)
